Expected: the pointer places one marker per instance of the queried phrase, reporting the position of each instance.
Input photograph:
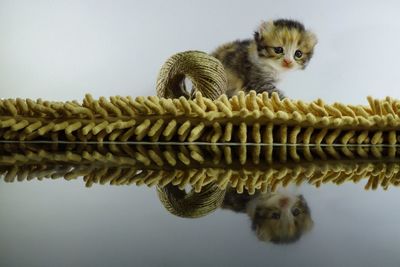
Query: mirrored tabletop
(166, 204)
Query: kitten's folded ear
(308, 224)
(263, 234)
(264, 27)
(311, 39)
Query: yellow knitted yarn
(243, 118)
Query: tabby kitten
(277, 217)
(257, 64)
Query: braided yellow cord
(244, 118)
(206, 73)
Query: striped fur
(254, 64)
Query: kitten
(257, 64)
(278, 217)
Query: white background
(63, 49)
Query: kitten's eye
(298, 54)
(275, 215)
(296, 212)
(278, 50)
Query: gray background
(59, 223)
(62, 49)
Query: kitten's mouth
(287, 66)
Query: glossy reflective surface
(89, 205)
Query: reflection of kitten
(256, 64)
(276, 217)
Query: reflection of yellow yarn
(379, 174)
(184, 156)
(192, 204)
(115, 165)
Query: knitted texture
(244, 118)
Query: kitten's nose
(287, 62)
(283, 202)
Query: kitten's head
(280, 217)
(284, 44)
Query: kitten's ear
(302, 199)
(308, 224)
(263, 234)
(264, 27)
(311, 39)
